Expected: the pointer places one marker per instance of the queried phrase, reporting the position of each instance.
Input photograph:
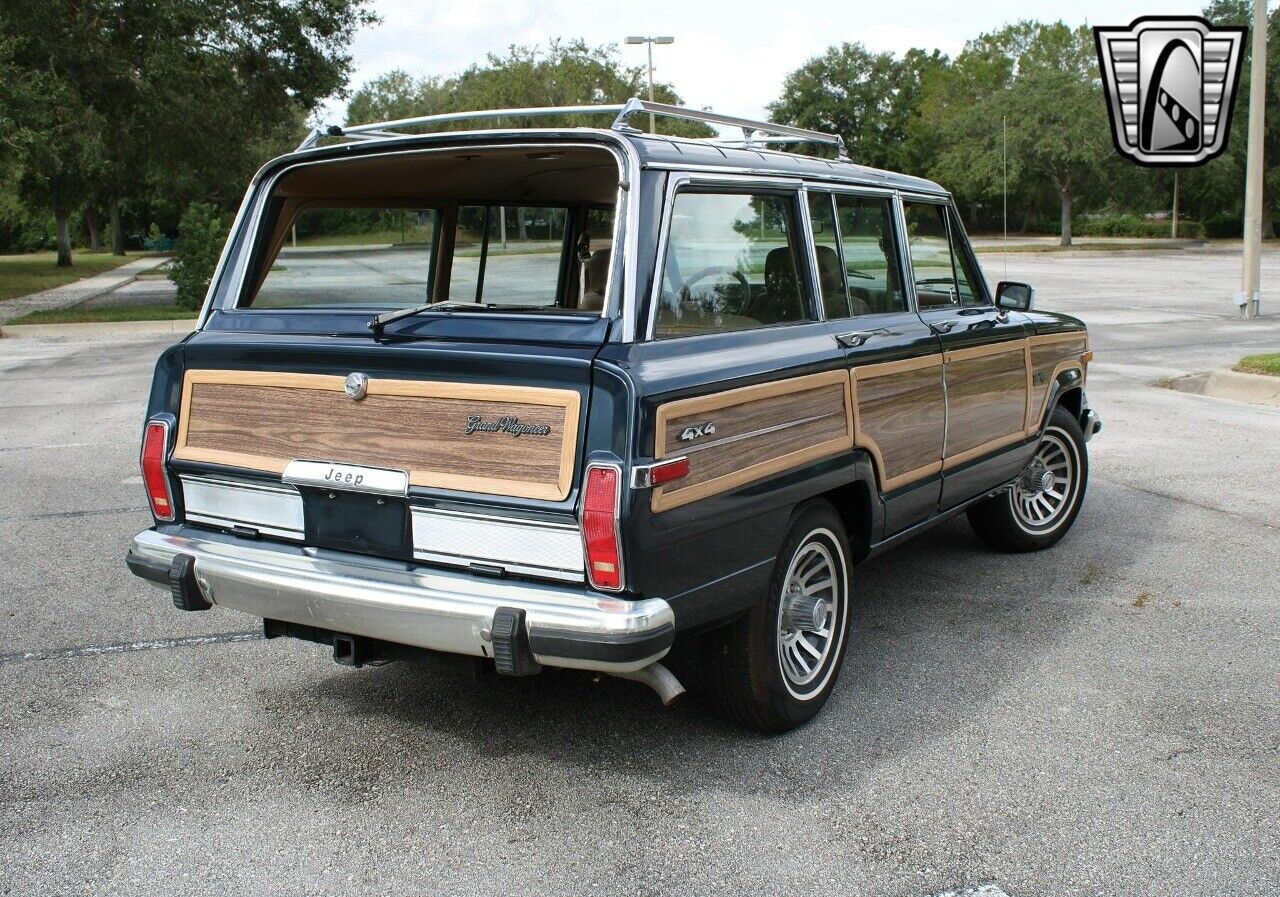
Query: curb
(1259, 389)
(16, 331)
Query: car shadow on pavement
(943, 624)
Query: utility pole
(1253, 172)
(650, 40)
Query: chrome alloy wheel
(811, 614)
(1046, 490)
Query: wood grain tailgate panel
(262, 421)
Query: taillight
(600, 536)
(155, 442)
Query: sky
(729, 56)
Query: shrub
(1133, 226)
(1224, 225)
(201, 233)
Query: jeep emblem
(691, 433)
(357, 386)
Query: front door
(895, 360)
(985, 350)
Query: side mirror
(1014, 296)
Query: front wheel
(1039, 508)
(774, 668)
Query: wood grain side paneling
(759, 431)
(262, 421)
(1048, 360)
(900, 412)
(986, 399)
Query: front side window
(352, 257)
(945, 276)
(732, 263)
(968, 277)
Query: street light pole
(1253, 169)
(650, 40)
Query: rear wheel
(774, 668)
(1042, 504)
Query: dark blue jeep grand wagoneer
(562, 396)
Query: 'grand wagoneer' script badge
(476, 424)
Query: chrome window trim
(791, 186)
(247, 226)
(817, 304)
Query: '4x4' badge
(688, 434)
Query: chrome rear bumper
(408, 604)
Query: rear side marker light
(600, 532)
(649, 475)
(1087, 357)
(155, 444)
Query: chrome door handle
(854, 338)
(942, 326)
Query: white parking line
(988, 890)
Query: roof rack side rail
(753, 132)
(750, 128)
(386, 129)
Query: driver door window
(945, 275)
(732, 263)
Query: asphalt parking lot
(1101, 718)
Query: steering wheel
(711, 271)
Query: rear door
(737, 373)
(985, 349)
(894, 359)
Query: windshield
(387, 233)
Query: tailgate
(493, 439)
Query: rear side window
(869, 250)
(732, 263)
(352, 257)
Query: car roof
(653, 150)
(661, 151)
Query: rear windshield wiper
(377, 323)
(390, 317)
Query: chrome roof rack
(754, 133)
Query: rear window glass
(508, 255)
(352, 257)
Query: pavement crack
(60, 515)
(129, 647)
(1157, 493)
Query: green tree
(1043, 80)
(118, 97)
(201, 234)
(566, 73)
(1218, 187)
(867, 98)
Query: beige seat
(595, 276)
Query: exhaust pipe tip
(660, 679)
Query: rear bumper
(406, 603)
